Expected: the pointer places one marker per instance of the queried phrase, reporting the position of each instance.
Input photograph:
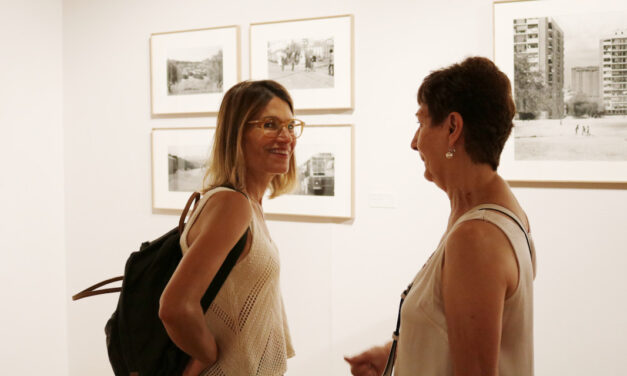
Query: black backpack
(137, 342)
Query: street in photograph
(302, 64)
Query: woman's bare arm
(479, 273)
(219, 226)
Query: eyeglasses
(272, 127)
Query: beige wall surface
(88, 177)
(33, 316)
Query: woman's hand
(194, 367)
(370, 362)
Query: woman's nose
(414, 142)
(284, 134)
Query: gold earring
(449, 154)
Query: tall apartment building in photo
(541, 42)
(585, 80)
(613, 50)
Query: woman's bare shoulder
(224, 210)
(479, 243)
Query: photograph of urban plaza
(302, 64)
(570, 87)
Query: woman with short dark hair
(469, 310)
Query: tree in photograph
(530, 90)
(580, 105)
(292, 54)
(173, 75)
(215, 69)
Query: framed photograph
(179, 157)
(312, 58)
(324, 157)
(190, 70)
(568, 66)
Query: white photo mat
(191, 146)
(339, 28)
(336, 140)
(561, 171)
(163, 45)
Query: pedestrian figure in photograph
(308, 62)
(331, 63)
(244, 331)
(577, 129)
(469, 309)
(282, 59)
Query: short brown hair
(482, 95)
(239, 106)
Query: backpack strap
(92, 290)
(194, 198)
(223, 272)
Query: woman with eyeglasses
(244, 331)
(469, 310)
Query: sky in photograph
(193, 53)
(276, 45)
(582, 34)
(192, 153)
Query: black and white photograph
(312, 58)
(186, 167)
(324, 160)
(191, 69)
(568, 69)
(316, 176)
(570, 87)
(195, 71)
(302, 64)
(179, 158)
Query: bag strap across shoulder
(514, 218)
(389, 366)
(194, 198)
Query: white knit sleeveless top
(423, 347)
(247, 316)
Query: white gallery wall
(33, 313)
(78, 190)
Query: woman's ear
(456, 125)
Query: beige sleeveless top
(423, 347)
(247, 316)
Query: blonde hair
(240, 104)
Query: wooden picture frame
(570, 129)
(179, 157)
(191, 69)
(312, 58)
(324, 158)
